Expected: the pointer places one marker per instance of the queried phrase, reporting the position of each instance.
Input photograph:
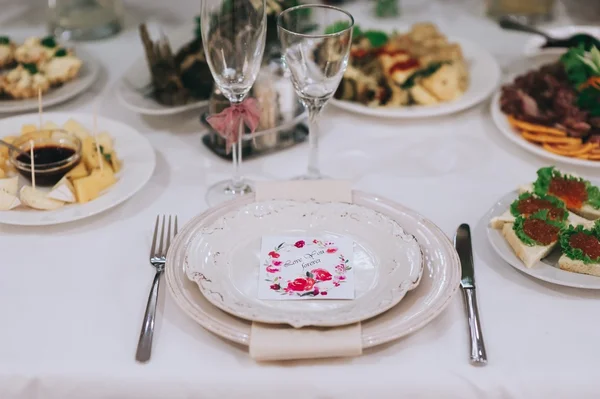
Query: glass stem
(237, 181)
(313, 171)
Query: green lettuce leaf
(541, 215)
(4, 40)
(576, 253)
(545, 175)
(553, 200)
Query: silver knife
(462, 243)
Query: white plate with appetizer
(550, 230)
(534, 45)
(223, 259)
(79, 170)
(543, 110)
(136, 91)
(420, 73)
(438, 284)
(33, 64)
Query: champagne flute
(315, 50)
(233, 35)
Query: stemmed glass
(233, 35)
(316, 55)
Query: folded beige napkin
(275, 342)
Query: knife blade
(462, 243)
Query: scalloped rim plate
(223, 259)
(438, 285)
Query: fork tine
(152, 250)
(175, 232)
(168, 237)
(162, 237)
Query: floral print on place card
(295, 268)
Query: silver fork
(157, 260)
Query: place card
(294, 268)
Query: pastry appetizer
(24, 82)
(528, 203)
(579, 195)
(533, 238)
(7, 52)
(35, 50)
(61, 68)
(581, 250)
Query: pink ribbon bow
(227, 122)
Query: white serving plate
(223, 258)
(438, 284)
(484, 77)
(131, 147)
(130, 88)
(547, 269)
(501, 121)
(86, 77)
(533, 45)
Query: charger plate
(223, 258)
(438, 284)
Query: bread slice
(528, 255)
(499, 221)
(577, 266)
(588, 212)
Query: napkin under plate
(275, 342)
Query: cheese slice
(78, 171)
(72, 126)
(10, 185)
(8, 201)
(50, 126)
(105, 141)
(63, 191)
(38, 200)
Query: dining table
(72, 296)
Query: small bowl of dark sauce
(55, 152)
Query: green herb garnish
(576, 253)
(557, 203)
(106, 156)
(540, 215)
(583, 71)
(61, 52)
(48, 41)
(31, 68)
(545, 176)
(4, 40)
(422, 73)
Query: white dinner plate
(132, 86)
(484, 77)
(133, 149)
(223, 258)
(501, 121)
(438, 284)
(86, 77)
(547, 269)
(533, 45)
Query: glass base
(311, 176)
(92, 33)
(226, 191)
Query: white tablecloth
(72, 296)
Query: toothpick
(32, 163)
(40, 106)
(94, 133)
